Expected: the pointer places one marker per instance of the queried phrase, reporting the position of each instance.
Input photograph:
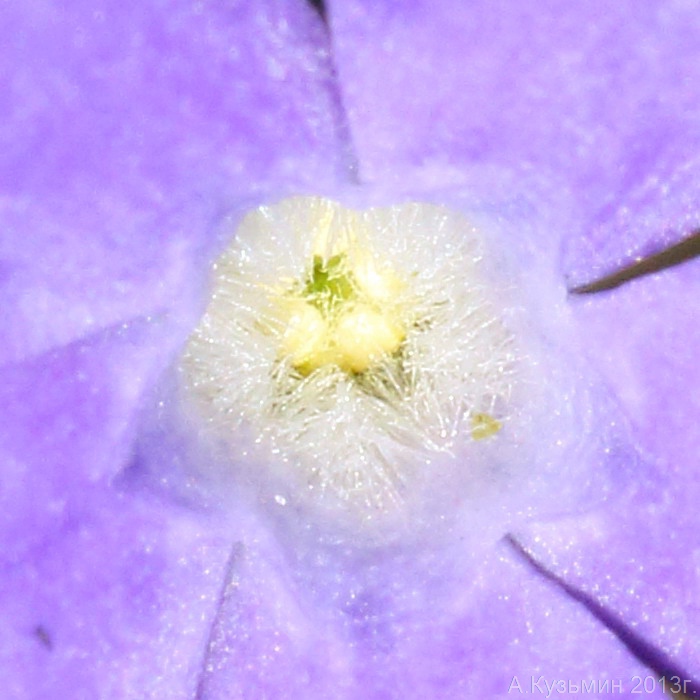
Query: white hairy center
(348, 350)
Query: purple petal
(645, 339)
(651, 214)
(584, 102)
(116, 604)
(638, 556)
(638, 559)
(402, 625)
(70, 422)
(127, 129)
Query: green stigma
(329, 284)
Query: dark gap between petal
(345, 136)
(233, 560)
(681, 252)
(320, 7)
(645, 652)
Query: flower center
(345, 350)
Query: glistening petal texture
(645, 339)
(126, 130)
(397, 625)
(116, 604)
(640, 555)
(589, 99)
(653, 212)
(102, 593)
(70, 420)
(639, 559)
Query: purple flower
(129, 132)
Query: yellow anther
(305, 336)
(363, 336)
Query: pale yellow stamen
(305, 336)
(363, 336)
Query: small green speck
(484, 426)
